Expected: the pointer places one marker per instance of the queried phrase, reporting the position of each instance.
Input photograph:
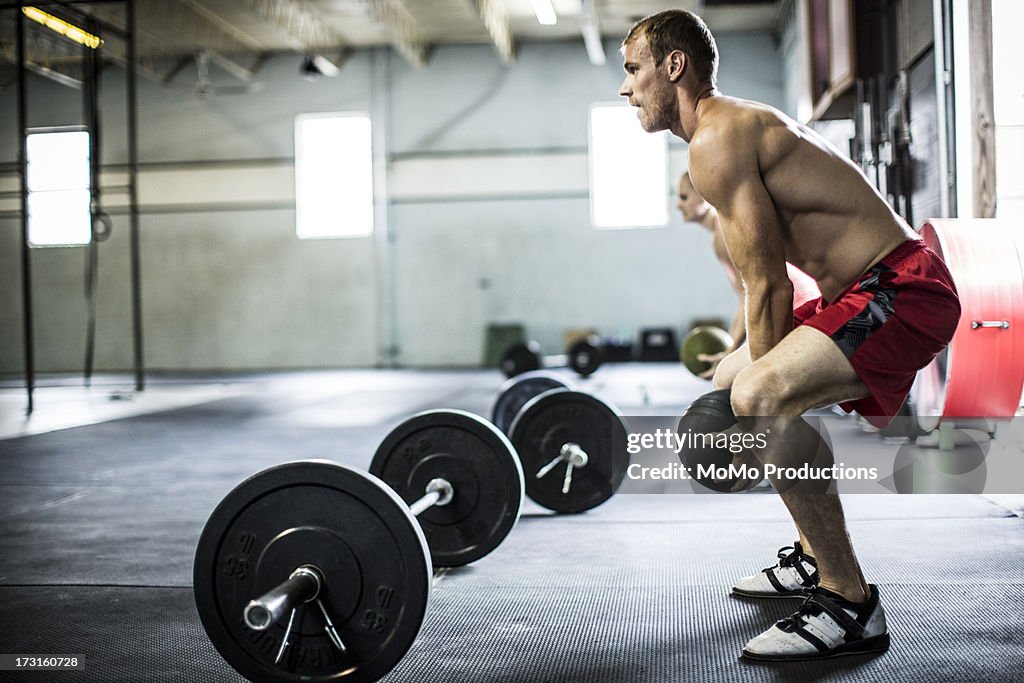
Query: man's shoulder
(731, 116)
(727, 126)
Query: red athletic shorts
(890, 323)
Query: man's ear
(676, 61)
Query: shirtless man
(695, 209)
(889, 305)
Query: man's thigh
(805, 370)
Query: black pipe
(90, 94)
(26, 261)
(133, 200)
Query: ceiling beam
(188, 21)
(181, 29)
(58, 59)
(304, 29)
(308, 32)
(221, 23)
(496, 22)
(47, 55)
(54, 74)
(178, 28)
(406, 35)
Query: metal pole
(943, 81)
(383, 236)
(133, 200)
(90, 94)
(26, 262)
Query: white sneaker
(790, 577)
(825, 626)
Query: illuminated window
(333, 176)
(58, 188)
(628, 170)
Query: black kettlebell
(706, 417)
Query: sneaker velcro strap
(795, 558)
(772, 579)
(784, 557)
(799, 567)
(842, 617)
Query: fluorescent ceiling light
(545, 12)
(69, 31)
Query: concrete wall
(487, 219)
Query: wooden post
(983, 154)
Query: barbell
(572, 445)
(584, 356)
(315, 571)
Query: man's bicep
(751, 232)
(724, 169)
(715, 180)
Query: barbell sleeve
(302, 586)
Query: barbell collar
(439, 492)
(574, 454)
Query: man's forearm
(738, 328)
(769, 317)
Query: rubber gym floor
(103, 495)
